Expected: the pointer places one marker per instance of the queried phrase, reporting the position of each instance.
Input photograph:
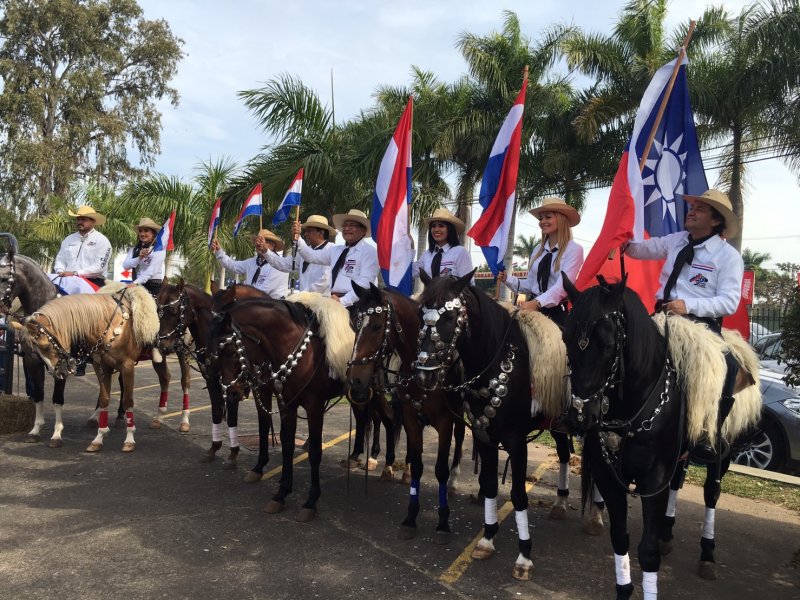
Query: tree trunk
(735, 191)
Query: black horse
(630, 405)
(460, 322)
(387, 326)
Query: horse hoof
(350, 463)
(522, 572)
(558, 512)
(482, 553)
(305, 515)
(251, 477)
(33, 439)
(406, 532)
(387, 474)
(707, 570)
(406, 478)
(183, 427)
(92, 423)
(442, 538)
(229, 465)
(129, 446)
(399, 465)
(94, 447)
(274, 507)
(155, 424)
(664, 547)
(372, 464)
(56, 443)
(593, 525)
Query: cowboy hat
(88, 211)
(722, 204)
(319, 222)
(354, 215)
(560, 206)
(148, 223)
(271, 237)
(445, 216)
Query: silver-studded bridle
(446, 354)
(8, 280)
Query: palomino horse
(638, 404)
(277, 346)
(108, 329)
(387, 326)
(462, 322)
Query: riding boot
(704, 452)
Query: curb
(768, 475)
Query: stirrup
(705, 454)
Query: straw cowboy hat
(271, 237)
(319, 222)
(560, 206)
(445, 216)
(719, 201)
(88, 211)
(148, 223)
(352, 215)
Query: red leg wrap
(162, 399)
(102, 419)
(129, 418)
(186, 402)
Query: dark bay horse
(388, 325)
(460, 322)
(629, 402)
(274, 346)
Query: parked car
(757, 331)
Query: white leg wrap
(453, 479)
(622, 564)
(563, 476)
(101, 434)
(649, 585)
(708, 524)
(672, 501)
(490, 511)
(157, 356)
(596, 495)
(216, 432)
(39, 419)
(129, 436)
(523, 531)
(185, 416)
(525, 562)
(59, 426)
(233, 434)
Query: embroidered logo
(349, 266)
(699, 280)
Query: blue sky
(239, 44)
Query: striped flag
(390, 205)
(213, 222)
(292, 198)
(251, 206)
(164, 237)
(498, 189)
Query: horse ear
(424, 277)
(361, 292)
(375, 291)
(572, 291)
(464, 281)
(214, 286)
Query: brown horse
(387, 326)
(108, 329)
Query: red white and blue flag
(213, 222)
(390, 205)
(164, 237)
(251, 206)
(650, 203)
(292, 198)
(499, 189)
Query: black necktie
(320, 247)
(338, 266)
(543, 272)
(260, 262)
(685, 257)
(436, 263)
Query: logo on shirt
(699, 280)
(445, 271)
(349, 267)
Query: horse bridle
(8, 295)
(446, 355)
(180, 329)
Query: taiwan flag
(649, 202)
(251, 206)
(390, 208)
(499, 189)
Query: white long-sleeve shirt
(147, 267)
(313, 277)
(270, 280)
(571, 261)
(86, 255)
(455, 261)
(711, 286)
(360, 265)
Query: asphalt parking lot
(159, 523)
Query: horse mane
(77, 317)
(335, 329)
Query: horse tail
(587, 481)
(397, 417)
(459, 429)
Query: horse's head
(174, 315)
(372, 346)
(44, 342)
(443, 314)
(595, 337)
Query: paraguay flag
(390, 205)
(498, 188)
(292, 198)
(649, 202)
(213, 222)
(164, 237)
(251, 206)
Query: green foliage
(79, 85)
(777, 288)
(791, 340)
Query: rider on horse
(84, 253)
(311, 277)
(147, 265)
(257, 272)
(445, 254)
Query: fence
(766, 316)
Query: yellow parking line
(191, 410)
(460, 564)
(301, 457)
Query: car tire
(766, 450)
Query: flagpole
(293, 275)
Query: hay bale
(16, 414)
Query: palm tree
(526, 245)
(753, 260)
